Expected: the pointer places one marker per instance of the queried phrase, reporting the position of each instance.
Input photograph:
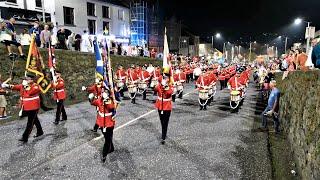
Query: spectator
(77, 42)
(315, 56)
(11, 30)
(61, 35)
(120, 49)
(3, 102)
(273, 108)
(45, 36)
(36, 30)
(85, 43)
(25, 38)
(5, 33)
(70, 41)
(301, 59)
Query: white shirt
(25, 39)
(150, 69)
(197, 71)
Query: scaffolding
(139, 23)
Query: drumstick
(6, 81)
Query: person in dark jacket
(315, 56)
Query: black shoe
(103, 159)
(205, 108)
(38, 135)
(23, 140)
(94, 130)
(56, 122)
(64, 119)
(201, 108)
(163, 141)
(22, 56)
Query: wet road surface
(212, 144)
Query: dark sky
(243, 18)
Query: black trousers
(188, 78)
(144, 95)
(202, 102)
(32, 120)
(222, 86)
(133, 101)
(164, 119)
(60, 109)
(108, 145)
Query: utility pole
(308, 38)
(285, 45)
(250, 52)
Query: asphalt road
(212, 144)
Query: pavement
(212, 144)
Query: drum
(203, 94)
(142, 85)
(210, 92)
(235, 96)
(154, 83)
(132, 88)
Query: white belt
(30, 99)
(160, 98)
(105, 115)
(61, 90)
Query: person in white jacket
(85, 43)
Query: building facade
(96, 16)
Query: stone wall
(300, 118)
(77, 69)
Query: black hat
(30, 75)
(58, 72)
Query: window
(121, 14)
(91, 9)
(38, 3)
(68, 16)
(105, 12)
(106, 27)
(12, 1)
(92, 26)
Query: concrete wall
(300, 118)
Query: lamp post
(43, 11)
(298, 21)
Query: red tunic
(121, 74)
(164, 103)
(132, 76)
(203, 80)
(59, 91)
(144, 75)
(29, 99)
(236, 82)
(222, 77)
(104, 113)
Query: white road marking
(136, 119)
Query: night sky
(259, 20)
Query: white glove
(5, 85)
(24, 83)
(269, 113)
(163, 82)
(83, 88)
(91, 96)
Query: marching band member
(164, 102)
(222, 79)
(30, 104)
(132, 79)
(105, 120)
(236, 83)
(121, 75)
(212, 82)
(59, 95)
(179, 78)
(96, 91)
(202, 83)
(144, 77)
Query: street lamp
(218, 35)
(298, 21)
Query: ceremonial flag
(165, 49)
(52, 62)
(99, 61)
(36, 66)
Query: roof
(117, 2)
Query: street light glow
(280, 37)
(218, 35)
(297, 21)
